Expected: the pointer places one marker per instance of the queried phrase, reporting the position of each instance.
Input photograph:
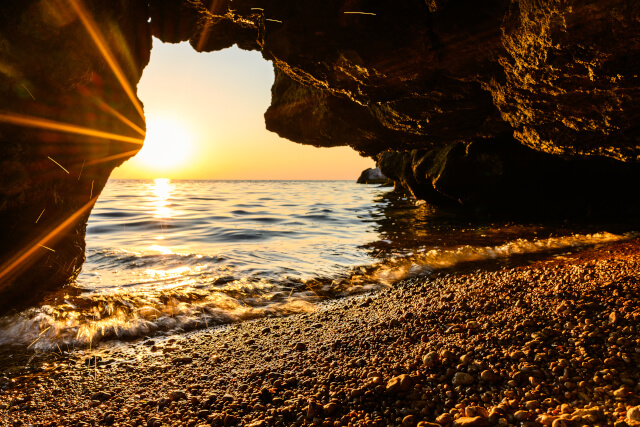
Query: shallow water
(166, 256)
(223, 230)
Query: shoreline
(555, 342)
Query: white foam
(84, 320)
(427, 261)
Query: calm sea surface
(166, 256)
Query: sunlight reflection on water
(162, 190)
(234, 250)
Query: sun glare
(167, 145)
(210, 125)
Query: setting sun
(211, 124)
(167, 145)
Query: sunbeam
(114, 157)
(21, 120)
(106, 107)
(23, 256)
(98, 39)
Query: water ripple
(170, 256)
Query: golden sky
(205, 121)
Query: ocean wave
(179, 300)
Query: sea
(167, 256)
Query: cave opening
(219, 218)
(208, 160)
(204, 114)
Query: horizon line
(233, 179)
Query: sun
(167, 145)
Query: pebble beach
(551, 342)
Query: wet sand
(555, 342)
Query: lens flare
(35, 122)
(98, 39)
(22, 258)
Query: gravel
(553, 343)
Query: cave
(495, 108)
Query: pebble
(430, 359)
(529, 367)
(633, 414)
(177, 395)
(462, 378)
(466, 359)
(488, 375)
(622, 392)
(546, 420)
(109, 419)
(613, 317)
(400, 383)
(565, 408)
(230, 420)
(517, 355)
(444, 419)
(470, 422)
(472, 324)
(476, 411)
(100, 396)
(409, 421)
(330, 408)
(521, 416)
(447, 355)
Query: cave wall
(558, 76)
(554, 85)
(463, 102)
(66, 120)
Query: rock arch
(415, 83)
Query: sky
(205, 120)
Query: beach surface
(549, 341)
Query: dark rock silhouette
(67, 118)
(373, 176)
(498, 179)
(470, 103)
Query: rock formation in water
(490, 106)
(373, 176)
